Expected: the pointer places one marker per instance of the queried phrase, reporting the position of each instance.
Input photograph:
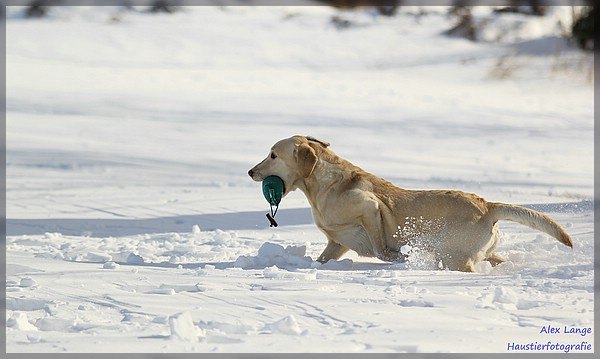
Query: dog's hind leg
(332, 251)
(466, 267)
(490, 255)
(495, 259)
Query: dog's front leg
(372, 221)
(332, 251)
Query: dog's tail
(530, 218)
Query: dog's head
(290, 159)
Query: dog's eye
(273, 156)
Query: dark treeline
(582, 30)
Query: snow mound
(505, 295)
(110, 265)
(272, 254)
(288, 325)
(333, 264)
(183, 328)
(20, 321)
(27, 282)
(133, 258)
(506, 298)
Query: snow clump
(272, 254)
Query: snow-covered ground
(133, 226)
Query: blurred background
(159, 110)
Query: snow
(110, 265)
(183, 328)
(19, 321)
(132, 225)
(27, 282)
(274, 255)
(288, 325)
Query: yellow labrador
(359, 211)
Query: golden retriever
(362, 212)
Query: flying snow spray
(273, 189)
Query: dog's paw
(389, 255)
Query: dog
(359, 211)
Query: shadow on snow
(207, 222)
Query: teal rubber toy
(273, 188)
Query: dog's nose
(250, 173)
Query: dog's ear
(306, 157)
(323, 143)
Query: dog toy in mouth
(273, 189)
